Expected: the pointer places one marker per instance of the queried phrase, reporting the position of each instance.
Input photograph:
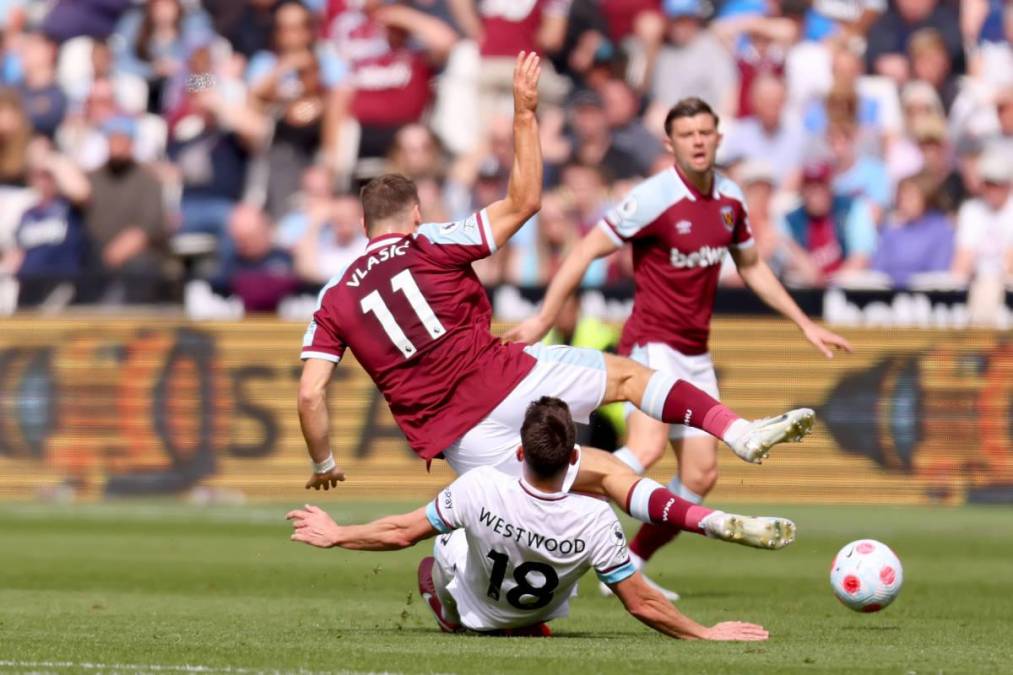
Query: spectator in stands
(917, 238)
(946, 186)
(247, 25)
(877, 108)
(298, 80)
(312, 205)
(126, 221)
(779, 251)
(81, 135)
(890, 35)
(502, 29)
(212, 134)
(15, 195)
(45, 102)
(836, 232)
(416, 153)
(50, 244)
(84, 63)
(773, 133)
(1003, 137)
(15, 134)
(622, 107)
(95, 18)
(393, 52)
(255, 269)
(557, 231)
(760, 35)
(930, 62)
(858, 174)
(693, 62)
(592, 139)
(152, 43)
(587, 188)
(918, 101)
(331, 243)
(985, 223)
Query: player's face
(694, 142)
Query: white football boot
(756, 531)
(671, 596)
(755, 442)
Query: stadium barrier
(148, 406)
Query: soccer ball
(866, 575)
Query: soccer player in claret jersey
(680, 223)
(513, 548)
(418, 320)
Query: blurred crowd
(147, 144)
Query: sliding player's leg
(650, 502)
(646, 442)
(667, 398)
(696, 475)
(435, 574)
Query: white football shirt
(526, 548)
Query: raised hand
(526, 73)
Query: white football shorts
(576, 376)
(698, 370)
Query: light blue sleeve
(615, 575)
(124, 43)
(642, 206)
(435, 518)
(880, 187)
(259, 66)
(860, 229)
(333, 69)
(469, 238)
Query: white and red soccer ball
(866, 575)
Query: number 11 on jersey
(404, 282)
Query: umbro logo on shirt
(683, 227)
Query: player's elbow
(526, 203)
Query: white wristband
(326, 465)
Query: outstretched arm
(315, 423)
(312, 525)
(759, 277)
(594, 245)
(648, 606)
(524, 192)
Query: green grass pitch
(161, 587)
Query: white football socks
(626, 456)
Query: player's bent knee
(700, 479)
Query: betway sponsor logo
(706, 256)
(664, 512)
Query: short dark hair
(385, 196)
(548, 436)
(688, 107)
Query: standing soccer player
(680, 222)
(514, 548)
(417, 319)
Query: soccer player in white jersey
(680, 222)
(513, 549)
